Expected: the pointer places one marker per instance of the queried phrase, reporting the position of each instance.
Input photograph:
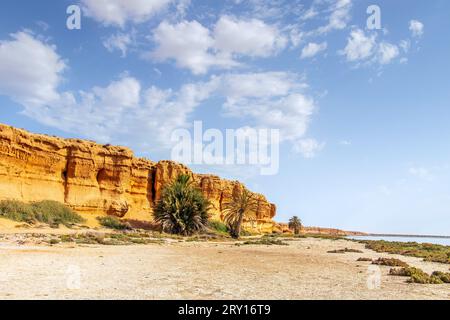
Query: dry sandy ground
(189, 270)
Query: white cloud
(295, 36)
(385, 190)
(313, 49)
(247, 37)
(120, 42)
(257, 85)
(308, 147)
(43, 25)
(339, 16)
(359, 46)
(387, 52)
(125, 110)
(271, 10)
(197, 48)
(119, 12)
(309, 14)
(405, 45)
(421, 173)
(365, 48)
(291, 114)
(270, 100)
(416, 27)
(189, 44)
(118, 95)
(30, 70)
(182, 7)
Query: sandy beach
(204, 270)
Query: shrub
(429, 252)
(390, 262)
(424, 278)
(402, 272)
(246, 233)
(110, 239)
(66, 238)
(54, 241)
(16, 211)
(113, 223)
(419, 276)
(182, 209)
(50, 212)
(364, 260)
(218, 226)
(444, 277)
(266, 242)
(346, 250)
(331, 237)
(55, 213)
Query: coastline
(437, 240)
(406, 236)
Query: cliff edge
(101, 179)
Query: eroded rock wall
(101, 179)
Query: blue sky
(363, 114)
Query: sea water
(442, 241)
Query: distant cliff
(101, 179)
(284, 227)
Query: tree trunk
(238, 226)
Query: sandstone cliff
(101, 179)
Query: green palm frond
(182, 208)
(296, 224)
(242, 205)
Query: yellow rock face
(101, 179)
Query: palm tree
(242, 205)
(182, 208)
(296, 224)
